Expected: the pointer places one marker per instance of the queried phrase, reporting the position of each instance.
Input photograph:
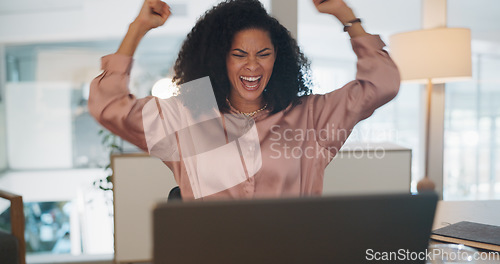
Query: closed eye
(238, 55)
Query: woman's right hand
(153, 14)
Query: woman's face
(250, 64)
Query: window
(472, 114)
(472, 133)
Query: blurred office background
(51, 152)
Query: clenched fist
(153, 14)
(338, 8)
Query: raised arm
(153, 14)
(110, 101)
(377, 82)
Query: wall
(24, 21)
(3, 138)
(3, 143)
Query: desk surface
(485, 212)
(450, 212)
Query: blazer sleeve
(335, 114)
(111, 103)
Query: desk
(450, 212)
(484, 212)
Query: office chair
(175, 194)
(13, 245)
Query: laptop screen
(336, 229)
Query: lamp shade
(439, 54)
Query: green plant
(110, 142)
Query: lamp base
(425, 185)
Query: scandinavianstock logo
(323, 142)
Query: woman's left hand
(338, 8)
(342, 12)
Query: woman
(255, 70)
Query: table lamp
(432, 56)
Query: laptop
(335, 229)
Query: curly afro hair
(205, 48)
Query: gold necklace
(250, 114)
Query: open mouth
(251, 83)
